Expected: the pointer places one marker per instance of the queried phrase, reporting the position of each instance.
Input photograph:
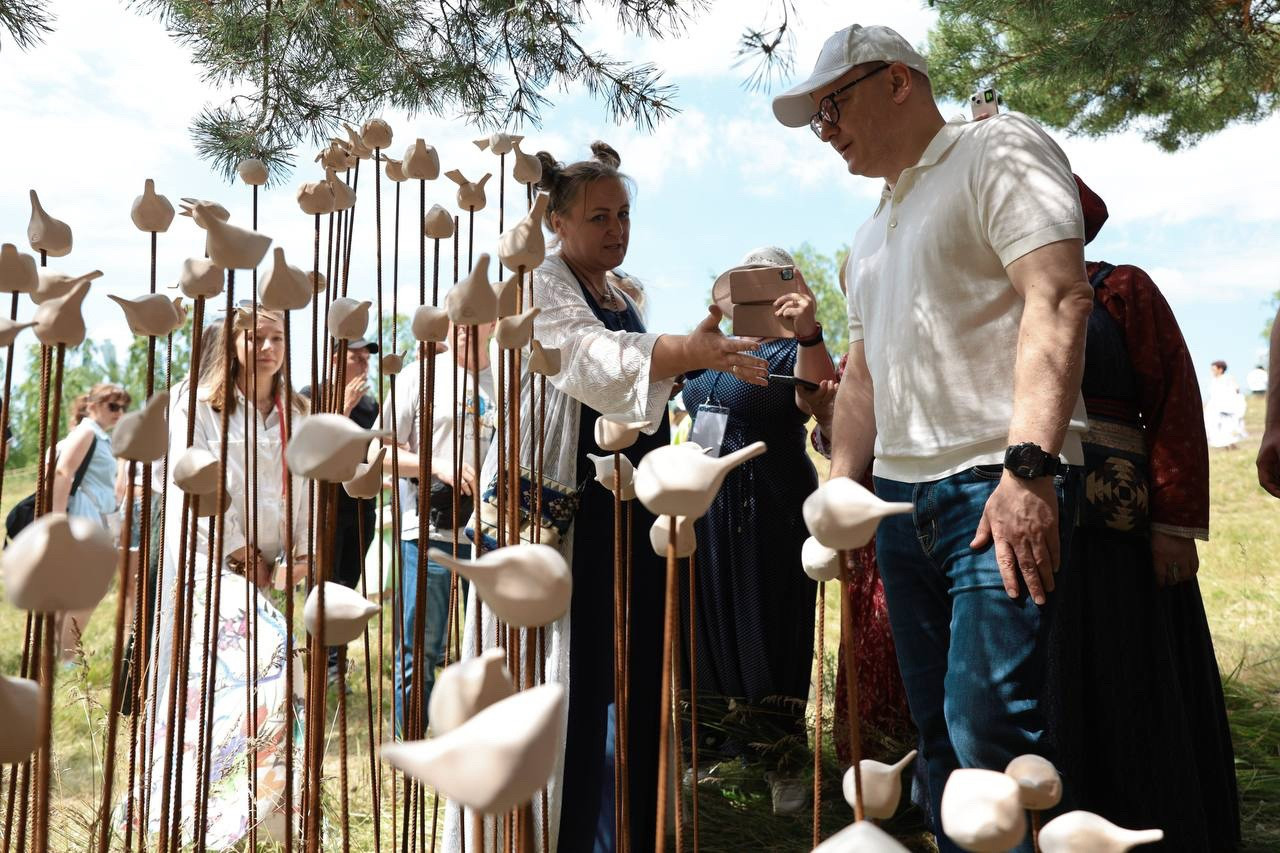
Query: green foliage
(1177, 70)
(84, 367)
(298, 67)
(1272, 305)
(822, 274)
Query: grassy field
(1239, 570)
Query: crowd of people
(1040, 413)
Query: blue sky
(107, 101)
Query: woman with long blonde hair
(251, 552)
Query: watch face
(1025, 460)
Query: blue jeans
(437, 616)
(972, 659)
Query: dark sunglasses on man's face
(829, 111)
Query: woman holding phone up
(754, 604)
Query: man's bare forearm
(1050, 357)
(1273, 377)
(853, 428)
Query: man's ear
(902, 80)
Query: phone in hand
(794, 381)
(985, 103)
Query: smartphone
(753, 292)
(985, 103)
(795, 381)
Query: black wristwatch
(1027, 461)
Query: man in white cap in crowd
(967, 301)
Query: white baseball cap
(851, 46)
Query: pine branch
(27, 21)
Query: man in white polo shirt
(967, 309)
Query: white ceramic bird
(47, 234)
(329, 447)
(496, 760)
(466, 688)
(58, 562)
(676, 480)
(842, 514)
(143, 436)
(472, 301)
(346, 612)
(525, 585)
(982, 811)
(151, 212)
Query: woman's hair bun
(604, 152)
(551, 169)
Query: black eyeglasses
(116, 407)
(828, 111)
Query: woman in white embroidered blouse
(251, 548)
(610, 365)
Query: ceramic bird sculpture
(211, 208)
(395, 169)
(660, 536)
(516, 331)
(527, 168)
(498, 142)
(676, 480)
(466, 688)
(376, 133)
(861, 837)
(252, 171)
(982, 811)
(472, 301)
(543, 361)
(842, 514)
(470, 193)
(329, 447)
(346, 613)
(229, 246)
(495, 761)
(195, 471)
(367, 482)
(430, 324)
(1084, 832)
(152, 314)
(9, 330)
(17, 271)
(20, 708)
(356, 144)
(881, 786)
(1038, 781)
(525, 585)
(283, 287)
(613, 435)
(819, 562)
(318, 281)
(344, 198)
(58, 562)
(421, 162)
(348, 318)
(391, 364)
(143, 436)
(524, 245)
(60, 320)
(201, 277)
(46, 234)
(151, 212)
(51, 284)
(336, 156)
(438, 223)
(315, 198)
(604, 474)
